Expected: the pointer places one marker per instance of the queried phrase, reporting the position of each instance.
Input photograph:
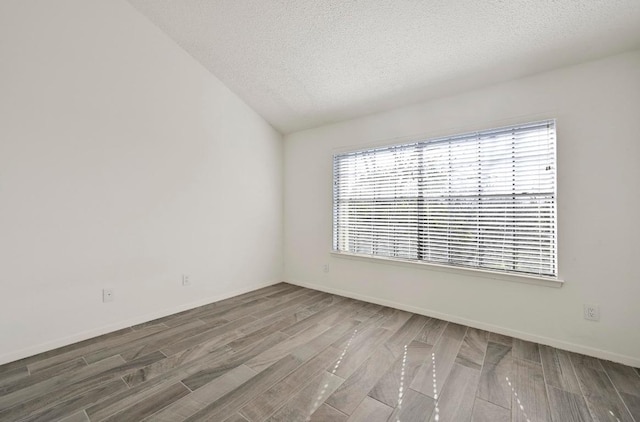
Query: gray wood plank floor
(286, 353)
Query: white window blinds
(482, 200)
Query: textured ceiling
(303, 63)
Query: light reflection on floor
(401, 389)
(435, 386)
(515, 394)
(323, 390)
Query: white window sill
(496, 275)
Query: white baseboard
(85, 335)
(560, 344)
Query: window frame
(510, 275)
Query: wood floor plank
(497, 369)
(67, 386)
(406, 365)
(443, 356)
(277, 352)
(455, 403)
(278, 289)
(484, 411)
(206, 369)
(633, 404)
(10, 366)
(95, 345)
(211, 311)
(473, 348)
(243, 341)
(60, 354)
(306, 299)
(585, 361)
(79, 402)
(600, 394)
(213, 337)
(50, 372)
(346, 309)
(172, 335)
(126, 399)
(525, 350)
(212, 369)
(239, 311)
(281, 297)
(326, 413)
(204, 396)
(163, 366)
(272, 323)
(357, 386)
(265, 404)
(396, 320)
(501, 339)
(431, 331)
(149, 344)
(218, 344)
(151, 405)
(283, 319)
(331, 300)
(406, 334)
(76, 417)
(233, 401)
(623, 377)
(13, 375)
(558, 370)
(235, 418)
(20, 397)
(362, 347)
(566, 406)
(529, 396)
(324, 340)
(241, 306)
(367, 311)
(388, 319)
(360, 311)
(371, 410)
(305, 403)
(147, 324)
(415, 407)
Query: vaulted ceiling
(304, 63)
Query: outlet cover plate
(591, 312)
(108, 295)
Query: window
(482, 200)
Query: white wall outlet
(325, 268)
(108, 295)
(591, 312)
(186, 281)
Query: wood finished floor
(285, 353)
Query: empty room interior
(297, 210)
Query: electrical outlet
(186, 281)
(108, 295)
(325, 268)
(591, 312)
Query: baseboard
(560, 344)
(85, 335)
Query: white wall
(123, 163)
(597, 105)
